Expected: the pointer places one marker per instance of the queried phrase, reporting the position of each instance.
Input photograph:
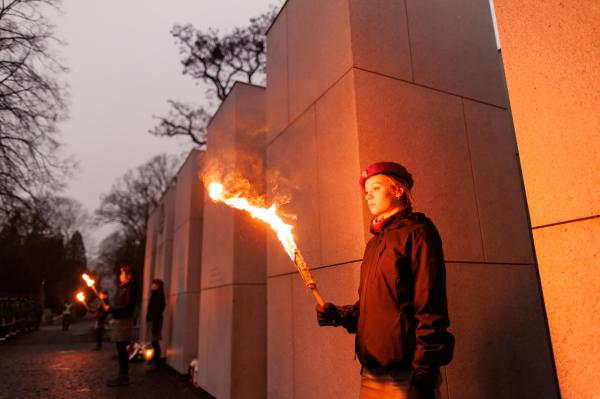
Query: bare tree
(133, 196)
(32, 101)
(219, 61)
(183, 120)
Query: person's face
(154, 286)
(124, 277)
(380, 199)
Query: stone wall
(551, 54)
(232, 329)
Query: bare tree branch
(220, 61)
(32, 102)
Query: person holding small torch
(401, 317)
(122, 311)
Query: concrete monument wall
(232, 328)
(149, 261)
(551, 54)
(418, 82)
(157, 263)
(184, 291)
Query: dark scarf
(378, 226)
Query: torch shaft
(309, 282)
(318, 296)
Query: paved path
(52, 364)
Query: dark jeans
(157, 355)
(123, 358)
(99, 336)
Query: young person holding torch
(401, 317)
(122, 311)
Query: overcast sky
(124, 65)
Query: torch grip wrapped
(309, 282)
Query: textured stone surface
(332, 349)
(569, 260)
(250, 256)
(149, 261)
(501, 348)
(277, 101)
(380, 37)
(338, 168)
(498, 189)
(163, 254)
(232, 327)
(184, 330)
(552, 72)
(218, 253)
(454, 49)
(189, 193)
(319, 49)
(424, 130)
(185, 265)
(214, 350)
(292, 166)
(280, 337)
(249, 372)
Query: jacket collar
(391, 222)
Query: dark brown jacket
(401, 317)
(125, 300)
(156, 307)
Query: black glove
(328, 315)
(423, 384)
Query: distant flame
(148, 354)
(267, 215)
(88, 280)
(80, 297)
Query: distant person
(401, 317)
(100, 315)
(66, 315)
(154, 317)
(122, 311)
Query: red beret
(391, 169)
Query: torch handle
(318, 296)
(97, 295)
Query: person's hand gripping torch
(81, 298)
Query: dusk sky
(124, 65)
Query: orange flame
(80, 297)
(88, 280)
(267, 215)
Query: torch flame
(267, 215)
(80, 297)
(88, 280)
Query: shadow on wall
(498, 317)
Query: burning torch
(283, 230)
(90, 283)
(81, 298)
